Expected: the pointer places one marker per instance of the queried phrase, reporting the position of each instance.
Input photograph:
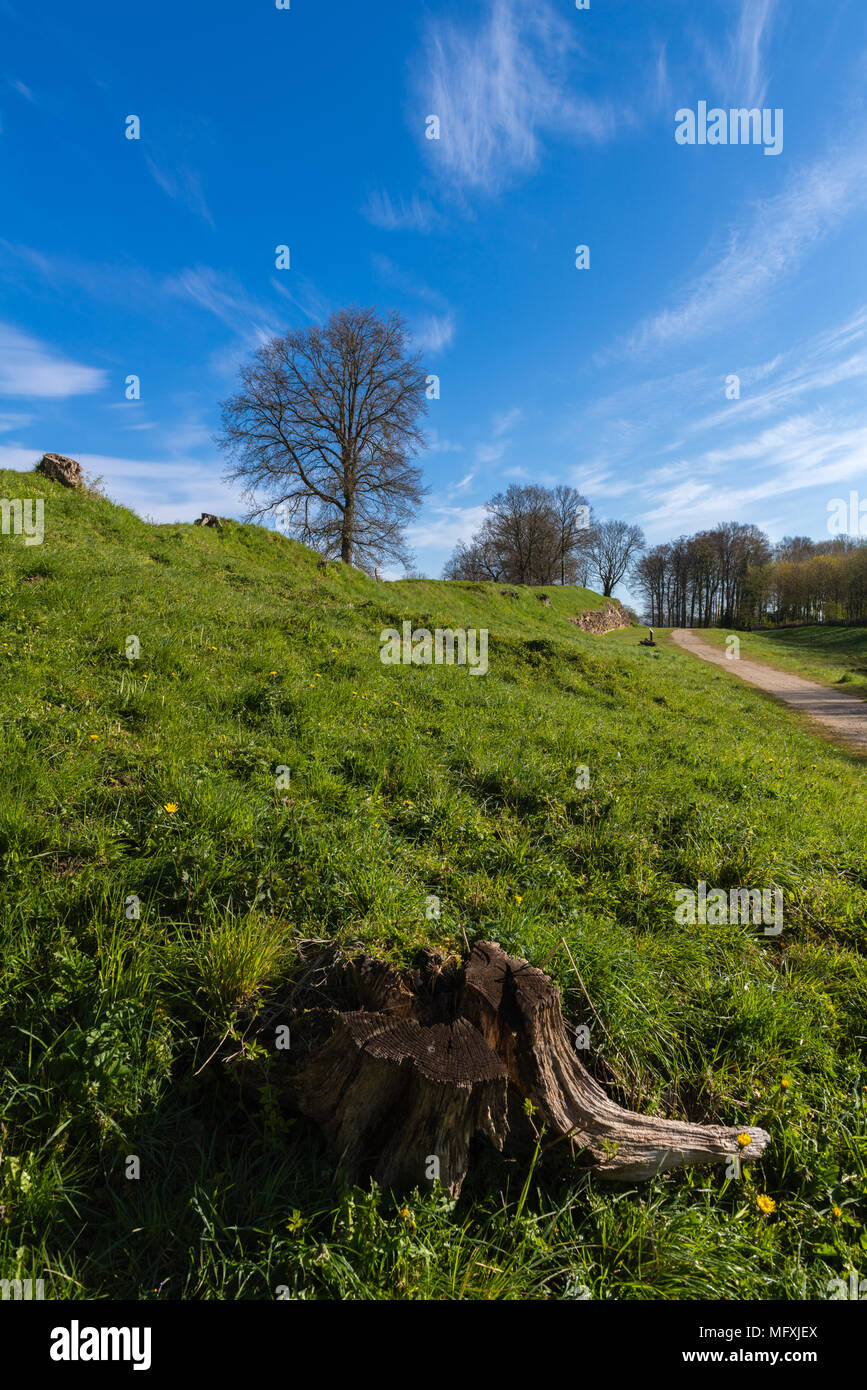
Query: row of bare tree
(700, 581)
(731, 575)
(538, 535)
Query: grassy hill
(403, 782)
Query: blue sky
(306, 127)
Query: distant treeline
(732, 576)
(729, 576)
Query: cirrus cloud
(29, 368)
(501, 86)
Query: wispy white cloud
(130, 415)
(399, 214)
(30, 368)
(660, 85)
(597, 480)
(119, 282)
(435, 445)
(493, 449)
(304, 295)
(809, 454)
(14, 422)
(499, 88)
(443, 526)
(739, 67)
(507, 421)
(410, 284)
(489, 453)
(796, 437)
(184, 186)
(170, 488)
(22, 89)
(222, 296)
(198, 287)
(18, 459)
(433, 332)
(766, 249)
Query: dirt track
(843, 716)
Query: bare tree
(713, 578)
(648, 576)
(530, 536)
(523, 529)
(479, 560)
(574, 533)
(615, 545)
(325, 428)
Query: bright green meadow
(321, 799)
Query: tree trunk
(430, 1062)
(347, 530)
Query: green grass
(402, 782)
(829, 655)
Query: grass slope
(404, 782)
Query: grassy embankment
(404, 782)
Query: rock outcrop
(62, 470)
(601, 620)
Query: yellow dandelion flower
(836, 1212)
(784, 1083)
(171, 807)
(94, 735)
(744, 1140)
(766, 1204)
(518, 898)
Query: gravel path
(844, 716)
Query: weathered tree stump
(400, 1102)
(431, 1061)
